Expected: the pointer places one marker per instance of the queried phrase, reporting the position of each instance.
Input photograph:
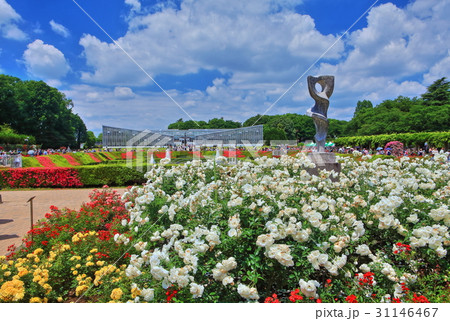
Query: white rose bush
(268, 231)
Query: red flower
(71, 160)
(294, 297)
(351, 299)
(272, 299)
(45, 243)
(420, 299)
(94, 158)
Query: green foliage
(83, 158)
(111, 175)
(35, 109)
(437, 93)
(9, 136)
(214, 123)
(403, 114)
(30, 162)
(90, 139)
(436, 139)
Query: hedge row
(80, 176)
(434, 139)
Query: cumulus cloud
(135, 4)
(45, 61)
(8, 22)
(237, 37)
(59, 29)
(123, 93)
(261, 47)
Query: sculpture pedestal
(324, 161)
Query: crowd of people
(13, 158)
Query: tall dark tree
(80, 130)
(438, 93)
(8, 103)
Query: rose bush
(70, 256)
(218, 233)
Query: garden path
(15, 211)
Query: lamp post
(31, 214)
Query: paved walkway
(15, 211)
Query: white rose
(196, 290)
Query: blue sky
(222, 58)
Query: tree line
(34, 108)
(428, 113)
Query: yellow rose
(90, 264)
(100, 263)
(35, 300)
(60, 299)
(93, 250)
(38, 251)
(78, 266)
(22, 272)
(80, 290)
(75, 272)
(116, 294)
(12, 291)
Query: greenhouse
(114, 137)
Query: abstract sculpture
(319, 111)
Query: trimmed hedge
(434, 139)
(80, 176)
(40, 177)
(111, 175)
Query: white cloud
(231, 36)
(439, 70)
(262, 48)
(123, 93)
(59, 29)
(135, 4)
(8, 19)
(45, 61)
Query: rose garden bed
(262, 231)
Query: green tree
(90, 139)
(438, 93)
(8, 102)
(36, 109)
(271, 133)
(80, 130)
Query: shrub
(40, 177)
(112, 175)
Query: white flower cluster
(309, 288)
(220, 272)
(234, 225)
(247, 292)
(287, 212)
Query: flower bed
(264, 231)
(71, 160)
(45, 161)
(94, 158)
(271, 232)
(113, 175)
(40, 177)
(70, 256)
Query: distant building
(120, 137)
